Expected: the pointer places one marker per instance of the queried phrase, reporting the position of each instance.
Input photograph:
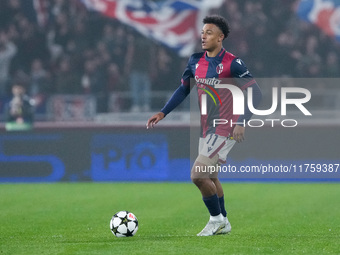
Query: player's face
(211, 37)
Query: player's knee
(199, 182)
(196, 177)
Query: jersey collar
(219, 55)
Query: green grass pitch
(73, 218)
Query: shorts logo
(219, 69)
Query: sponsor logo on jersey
(244, 74)
(207, 81)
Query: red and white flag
(323, 13)
(176, 24)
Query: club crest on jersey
(219, 69)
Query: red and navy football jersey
(209, 71)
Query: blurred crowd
(274, 42)
(75, 51)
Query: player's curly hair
(220, 22)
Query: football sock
(223, 211)
(212, 204)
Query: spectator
(7, 52)
(31, 44)
(113, 84)
(116, 42)
(40, 79)
(140, 68)
(40, 83)
(20, 109)
(164, 74)
(92, 82)
(332, 67)
(80, 51)
(66, 80)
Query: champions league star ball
(124, 224)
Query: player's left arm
(244, 80)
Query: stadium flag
(175, 24)
(323, 13)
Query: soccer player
(208, 68)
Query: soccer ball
(124, 224)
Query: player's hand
(154, 120)
(238, 133)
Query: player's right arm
(177, 97)
(154, 120)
